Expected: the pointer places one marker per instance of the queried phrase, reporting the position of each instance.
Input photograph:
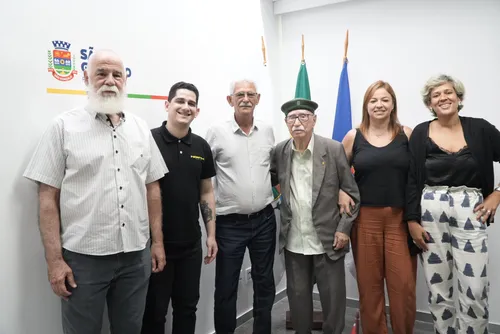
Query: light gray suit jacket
(331, 172)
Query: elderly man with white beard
(97, 169)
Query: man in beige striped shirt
(97, 168)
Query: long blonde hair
(394, 124)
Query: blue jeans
(234, 234)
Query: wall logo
(62, 63)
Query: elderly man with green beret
(314, 235)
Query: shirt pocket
(263, 156)
(140, 158)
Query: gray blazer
(331, 172)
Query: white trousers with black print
(458, 248)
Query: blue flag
(343, 120)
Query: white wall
(272, 45)
(403, 42)
(207, 43)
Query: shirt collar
(235, 127)
(94, 114)
(170, 138)
(309, 148)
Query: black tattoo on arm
(206, 212)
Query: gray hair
(233, 84)
(437, 81)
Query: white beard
(108, 105)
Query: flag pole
(263, 50)
(346, 44)
(303, 59)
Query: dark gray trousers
(121, 280)
(301, 273)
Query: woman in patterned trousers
(450, 201)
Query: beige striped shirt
(102, 171)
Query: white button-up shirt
(302, 237)
(101, 171)
(242, 163)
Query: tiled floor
(281, 307)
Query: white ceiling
(288, 6)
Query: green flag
(302, 89)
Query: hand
(158, 259)
(211, 250)
(419, 235)
(488, 208)
(345, 203)
(341, 240)
(59, 272)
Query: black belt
(241, 216)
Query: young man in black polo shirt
(185, 189)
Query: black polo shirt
(189, 160)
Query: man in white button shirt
(241, 148)
(97, 168)
(311, 169)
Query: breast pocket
(263, 155)
(139, 158)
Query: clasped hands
(345, 204)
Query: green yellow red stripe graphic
(82, 92)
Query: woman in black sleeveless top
(378, 152)
(450, 201)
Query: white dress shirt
(101, 171)
(302, 237)
(242, 163)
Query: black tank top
(381, 172)
(450, 169)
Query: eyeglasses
(241, 95)
(290, 119)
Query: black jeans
(120, 279)
(234, 234)
(179, 282)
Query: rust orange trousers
(381, 254)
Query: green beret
(299, 103)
